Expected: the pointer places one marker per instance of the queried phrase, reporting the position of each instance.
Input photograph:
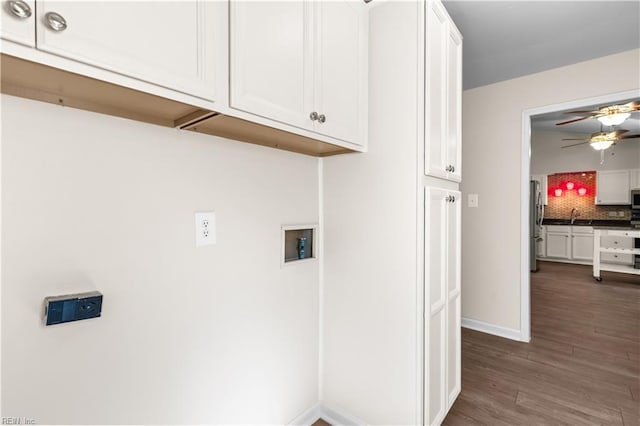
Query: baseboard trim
(485, 327)
(329, 414)
(338, 417)
(308, 417)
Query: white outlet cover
(205, 227)
(473, 200)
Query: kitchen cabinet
(18, 22)
(170, 44)
(559, 242)
(618, 246)
(302, 63)
(612, 187)
(573, 244)
(443, 94)
(442, 294)
(634, 179)
(582, 243)
(614, 251)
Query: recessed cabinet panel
(454, 104)
(436, 217)
(582, 247)
(271, 55)
(613, 187)
(442, 316)
(436, 91)
(443, 95)
(168, 43)
(341, 58)
(558, 244)
(436, 384)
(18, 22)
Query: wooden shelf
(625, 269)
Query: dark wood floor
(581, 367)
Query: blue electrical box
(72, 307)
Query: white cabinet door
(18, 23)
(453, 332)
(341, 74)
(558, 244)
(170, 44)
(442, 302)
(436, 295)
(303, 64)
(437, 36)
(634, 179)
(454, 104)
(443, 95)
(612, 187)
(582, 246)
(271, 60)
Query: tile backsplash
(559, 207)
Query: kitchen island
(601, 232)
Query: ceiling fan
(602, 140)
(611, 115)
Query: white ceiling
(508, 39)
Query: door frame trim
(525, 274)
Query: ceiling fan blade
(629, 136)
(576, 139)
(573, 121)
(575, 144)
(618, 132)
(581, 112)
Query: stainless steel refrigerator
(536, 214)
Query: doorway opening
(534, 120)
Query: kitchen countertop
(614, 224)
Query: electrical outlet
(620, 214)
(205, 229)
(612, 214)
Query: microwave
(635, 198)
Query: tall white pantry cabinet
(437, 148)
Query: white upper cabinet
(443, 95)
(18, 21)
(301, 63)
(341, 58)
(634, 177)
(613, 187)
(271, 60)
(169, 44)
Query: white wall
(492, 118)
(218, 334)
(370, 295)
(547, 156)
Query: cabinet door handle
(453, 169)
(55, 21)
(313, 116)
(322, 118)
(19, 9)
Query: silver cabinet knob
(313, 116)
(322, 118)
(453, 169)
(55, 21)
(19, 9)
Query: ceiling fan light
(614, 119)
(601, 145)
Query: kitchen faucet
(574, 214)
